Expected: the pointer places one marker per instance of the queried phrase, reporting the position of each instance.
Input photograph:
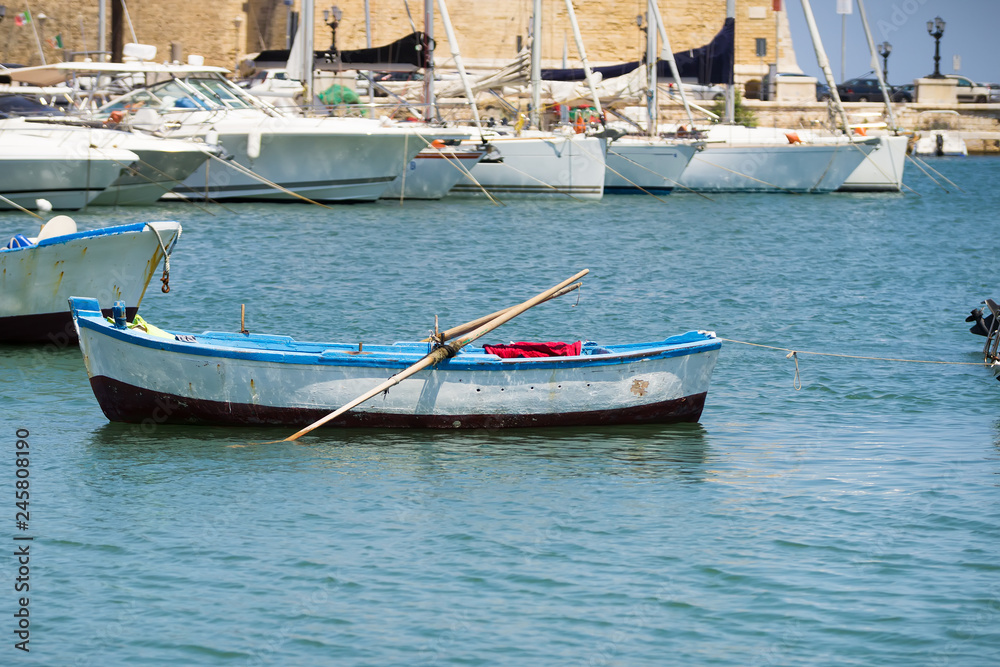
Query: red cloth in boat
(526, 349)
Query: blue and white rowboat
(255, 379)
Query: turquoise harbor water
(853, 522)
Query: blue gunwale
(267, 348)
(92, 233)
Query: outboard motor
(982, 324)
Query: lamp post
(884, 49)
(332, 18)
(237, 23)
(935, 29)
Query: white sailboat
(882, 171)
(650, 164)
(531, 163)
(741, 159)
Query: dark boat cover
(712, 63)
(405, 54)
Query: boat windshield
(184, 94)
(167, 96)
(222, 92)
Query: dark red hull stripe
(54, 328)
(123, 402)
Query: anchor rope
(794, 355)
(856, 356)
(165, 279)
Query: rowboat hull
(114, 263)
(234, 379)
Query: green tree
(741, 114)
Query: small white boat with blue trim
(38, 275)
(141, 374)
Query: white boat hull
(433, 173)
(45, 170)
(540, 166)
(639, 166)
(112, 264)
(156, 166)
(773, 168)
(941, 143)
(157, 173)
(323, 166)
(882, 170)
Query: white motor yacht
(65, 175)
(159, 164)
(319, 157)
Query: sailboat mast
(730, 86)
(368, 44)
(652, 106)
(824, 63)
(428, 45)
(666, 53)
(877, 66)
(583, 56)
(459, 64)
(307, 25)
(536, 63)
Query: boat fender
(116, 117)
(578, 125)
(861, 132)
(118, 313)
(793, 137)
(253, 144)
(19, 241)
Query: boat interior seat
(61, 225)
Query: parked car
(866, 89)
(994, 92)
(765, 86)
(907, 93)
(822, 92)
(969, 90)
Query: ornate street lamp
(237, 24)
(332, 18)
(884, 49)
(935, 29)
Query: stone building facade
(489, 31)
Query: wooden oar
(448, 334)
(440, 354)
(20, 208)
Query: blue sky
(972, 31)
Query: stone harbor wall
(489, 32)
